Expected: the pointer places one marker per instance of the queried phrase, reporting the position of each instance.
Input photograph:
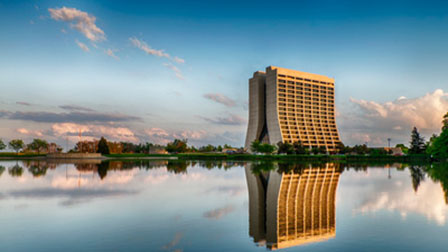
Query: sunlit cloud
(429, 201)
(23, 103)
(28, 132)
(111, 53)
(74, 116)
(229, 120)
(220, 98)
(142, 45)
(378, 121)
(79, 20)
(76, 108)
(89, 132)
(218, 213)
(176, 70)
(83, 46)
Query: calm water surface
(221, 206)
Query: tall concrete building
(292, 106)
(292, 208)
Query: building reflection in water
(294, 207)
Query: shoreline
(236, 157)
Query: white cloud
(29, 132)
(147, 49)
(142, 45)
(176, 70)
(83, 46)
(79, 20)
(229, 120)
(218, 213)
(220, 98)
(429, 201)
(93, 132)
(111, 53)
(179, 60)
(394, 118)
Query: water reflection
(202, 205)
(292, 205)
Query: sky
(154, 71)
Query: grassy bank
(13, 155)
(250, 157)
(307, 158)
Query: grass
(248, 157)
(20, 155)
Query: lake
(174, 205)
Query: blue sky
(388, 59)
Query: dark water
(222, 206)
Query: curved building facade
(292, 208)
(292, 106)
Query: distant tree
(438, 145)
(207, 148)
(361, 149)
(15, 171)
(322, 150)
(285, 148)
(315, 150)
(265, 148)
(255, 146)
(2, 145)
(299, 148)
(177, 146)
(445, 122)
(226, 146)
(403, 148)
(341, 148)
(417, 143)
(2, 169)
(219, 148)
(16, 144)
(103, 148)
(38, 145)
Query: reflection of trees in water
(417, 175)
(15, 171)
(40, 164)
(38, 170)
(177, 166)
(102, 169)
(2, 169)
(438, 172)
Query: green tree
(438, 147)
(265, 148)
(285, 148)
(299, 148)
(16, 144)
(417, 143)
(177, 146)
(255, 146)
(38, 145)
(445, 122)
(2, 169)
(103, 148)
(403, 148)
(2, 145)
